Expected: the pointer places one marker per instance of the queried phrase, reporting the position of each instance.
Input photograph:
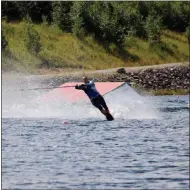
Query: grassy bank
(63, 50)
(163, 92)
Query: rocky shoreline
(171, 77)
(147, 78)
(176, 77)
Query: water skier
(95, 97)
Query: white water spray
(123, 102)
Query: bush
(103, 20)
(10, 11)
(130, 19)
(4, 42)
(32, 39)
(188, 33)
(77, 15)
(61, 15)
(153, 28)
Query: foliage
(188, 33)
(10, 11)
(108, 20)
(61, 16)
(102, 19)
(17, 10)
(153, 28)
(32, 39)
(4, 42)
(77, 18)
(109, 23)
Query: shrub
(77, 16)
(188, 33)
(61, 15)
(32, 39)
(153, 28)
(4, 42)
(103, 20)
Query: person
(95, 97)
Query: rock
(121, 71)
(157, 78)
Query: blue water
(91, 153)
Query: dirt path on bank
(77, 73)
(114, 70)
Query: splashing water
(123, 102)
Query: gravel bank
(168, 76)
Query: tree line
(107, 21)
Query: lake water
(134, 151)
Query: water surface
(91, 153)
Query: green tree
(103, 19)
(4, 42)
(32, 39)
(131, 18)
(77, 18)
(179, 16)
(17, 10)
(188, 33)
(153, 28)
(61, 14)
(36, 10)
(10, 10)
